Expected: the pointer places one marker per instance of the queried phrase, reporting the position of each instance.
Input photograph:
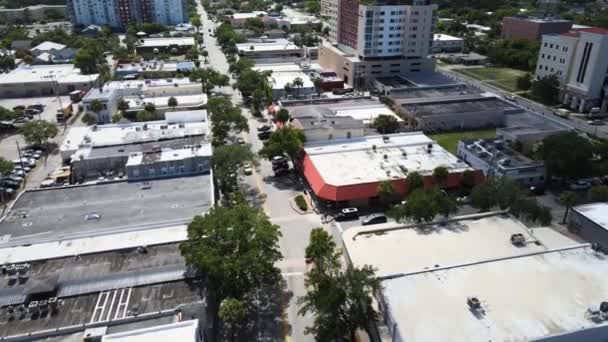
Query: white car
(247, 169)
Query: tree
(205, 54)
(282, 115)
(8, 115)
(89, 119)
(446, 204)
(123, 106)
(236, 248)
(256, 25)
(239, 66)
(38, 132)
(566, 154)
(192, 54)
(96, 107)
(116, 117)
(297, 83)
(599, 193)
(544, 216)
(6, 166)
(172, 102)
(249, 80)
(227, 161)
(7, 63)
(225, 118)
(414, 181)
(233, 313)
(482, 196)
(386, 191)
(86, 60)
(341, 300)
(284, 141)
(209, 78)
(441, 174)
(524, 82)
(144, 115)
(468, 179)
(567, 199)
(150, 108)
(386, 124)
(546, 89)
(257, 102)
(288, 88)
(196, 22)
(420, 206)
(318, 82)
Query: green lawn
(449, 141)
(504, 78)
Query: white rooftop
(248, 15)
(119, 134)
(354, 161)
(408, 250)
(137, 102)
(596, 212)
(163, 42)
(445, 37)
(527, 292)
(524, 298)
(168, 154)
(186, 331)
(366, 113)
(61, 73)
(270, 45)
(48, 46)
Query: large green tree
(420, 206)
(546, 89)
(340, 298)
(227, 161)
(566, 154)
(38, 132)
(284, 141)
(209, 79)
(386, 124)
(414, 181)
(233, 312)
(225, 118)
(568, 200)
(235, 248)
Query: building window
(348, 135)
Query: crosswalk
(111, 304)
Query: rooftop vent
(474, 303)
(518, 239)
(385, 138)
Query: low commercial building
(533, 28)
(166, 163)
(239, 19)
(269, 48)
(470, 58)
(45, 80)
(496, 158)
(173, 45)
(473, 282)
(138, 93)
(121, 134)
(445, 43)
(186, 331)
(527, 129)
(150, 69)
(452, 111)
(329, 80)
(30, 13)
(350, 170)
(590, 221)
(286, 73)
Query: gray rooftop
(497, 151)
(58, 213)
(414, 93)
(126, 150)
(457, 105)
(529, 123)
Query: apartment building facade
(533, 28)
(578, 59)
(381, 38)
(118, 13)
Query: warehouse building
(173, 45)
(349, 171)
(165, 163)
(269, 48)
(483, 277)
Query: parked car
(92, 217)
(580, 185)
(247, 169)
(38, 107)
(463, 200)
(8, 182)
(537, 190)
(26, 169)
(7, 191)
(347, 214)
(240, 140)
(595, 122)
(264, 135)
(19, 173)
(264, 128)
(373, 219)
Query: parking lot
(51, 105)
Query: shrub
(301, 203)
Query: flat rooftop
(372, 158)
(126, 150)
(533, 291)
(61, 73)
(497, 152)
(459, 105)
(268, 45)
(525, 122)
(365, 110)
(445, 37)
(417, 93)
(430, 79)
(167, 155)
(404, 249)
(61, 213)
(164, 42)
(180, 331)
(523, 298)
(596, 212)
(130, 133)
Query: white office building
(578, 58)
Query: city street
(272, 194)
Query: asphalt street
(272, 194)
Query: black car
(537, 190)
(373, 219)
(264, 135)
(10, 183)
(347, 214)
(264, 128)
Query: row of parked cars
(11, 182)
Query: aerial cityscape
(316, 170)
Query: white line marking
(289, 274)
(119, 303)
(124, 313)
(109, 315)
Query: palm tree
(297, 83)
(288, 89)
(123, 106)
(567, 199)
(172, 102)
(205, 54)
(441, 174)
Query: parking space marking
(111, 304)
